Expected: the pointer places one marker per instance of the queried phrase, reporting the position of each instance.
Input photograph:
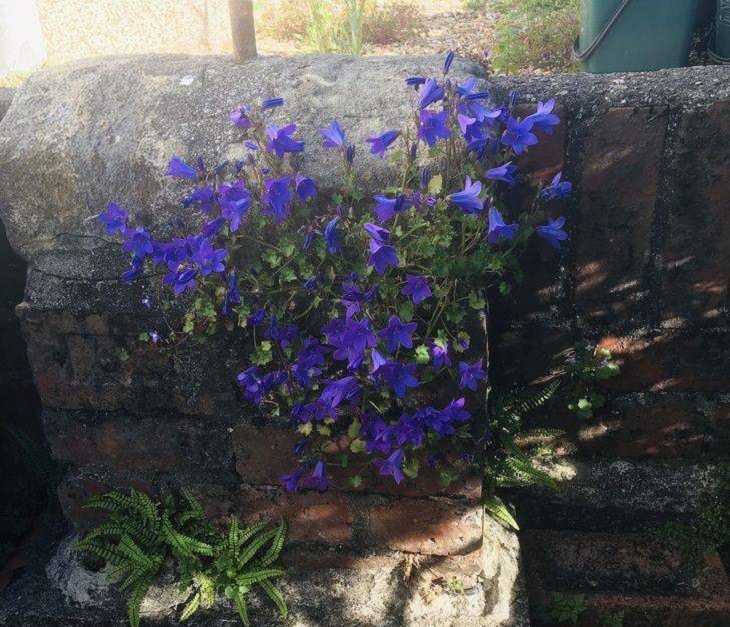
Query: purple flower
(498, 230)
(504, 172)
(270, 103)
(391, 465)
(415, 81)
(398, 377)
(417, 288)
(114, 218)
(233, 295)
(381, 143)
(208, 259)
(518, 135)
(291, 480)
(306, 187)
(430, 92)
(553, 232)
(433, 127)
(382, 256)
(134, 271)
(137, 241)
(440, 356)
(544, 118)
(210, 229)
(470, 375)
(388, 207)
(350, 154)
(397, 333)
(257, 318)
(234, 200)
(281, 140)
(277, 196)
(177, 167)
(318, 479)
(239, 117)
(468, 200)
(311, 284)
(455, 411)
(350, 340)
(204, 197)
(334, 136)
(154, 336)
(377, 233)
(345, 389)
(558, 189)
(181, 280)
(332, 237)
(449, 60)
(353, 298)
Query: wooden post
(242, 28)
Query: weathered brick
(696, 278)
(530, 354)
(311, 517)
(618, 189)
(658, 426)
(430, 526)
(117, 440)
(692, 361)
(264, 453)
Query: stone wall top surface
(83, 134)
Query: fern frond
(255, 546)
(257, 576)
(191, 607)
(196, 509)
(234, 538)
(250, 531)
(499, 510)
(135, 600)
(114, 502)
(276, 596)
(277, 544)
(240, 602)
(529, 472)
(145, 506)
(184, 545)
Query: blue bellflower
(518, 135)
(277, 197)
(468, 200)
(553, 232)
(380, 143)
(334, 136)
(433, 127)
(505, 173)
(114, 218)
(471, 374)
(281, 141)
(178, 168)
(498, 230)
(417, 288)
(398, 333)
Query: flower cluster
(359, 311)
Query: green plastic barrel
(635, 35)
(722, 32)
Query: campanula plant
(361, 311)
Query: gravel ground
(448, 25)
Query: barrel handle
(588, 52)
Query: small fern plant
(140, 536)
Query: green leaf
(123, 355)
(356, 481)
(262, 355)
(405, 311)
(499, 510)
(435, 184)
(476, 302)
(422, 355)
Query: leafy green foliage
(586, 367)
(141, 535)
(613, 620)
(561, 609)
(710, 529)
(535, 34)
(508, 464)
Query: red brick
(618, 189)
(658, 427)
(124, 442)
(696, 279)
(311, 517)
(430, 526)
(264, 453)
(692, 361)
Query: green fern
(141, 535)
